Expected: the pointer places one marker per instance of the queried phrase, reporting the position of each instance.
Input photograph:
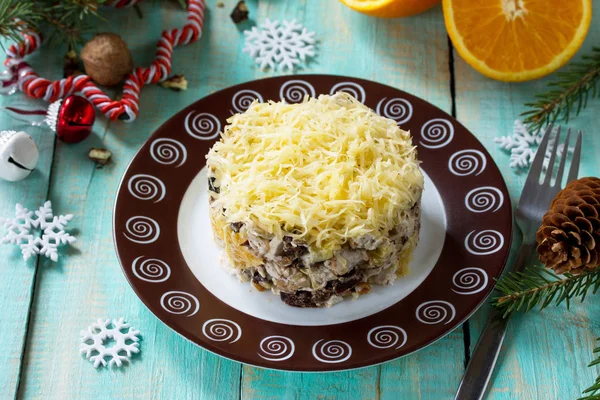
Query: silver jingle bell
(18, 155)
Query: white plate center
(204, 257)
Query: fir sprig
(70, 20)
(14, 16)
(593, 392)
(540, 286)
(569, 93)
(62, 21)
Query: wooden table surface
(44, 305)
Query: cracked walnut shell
(569, 238)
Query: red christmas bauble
(75, 119)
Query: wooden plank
(545, 353)
(430, 374)
(88, 283)
(411, 54)
(262, 384)
(17, 280)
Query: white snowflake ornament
(282, 45)
(93, 342)
(523, 145)
(53, 231)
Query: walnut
(175, 82)
(100, 156)
(240, 12)
(106, 59)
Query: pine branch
(593, 392)
(15, 16)
(64, 21)
(69, 20)
(568, 93)
(540, 286)
(61, 21)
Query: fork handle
(479, 371)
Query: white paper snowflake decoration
(21, 227)
(95, 338)
(282, 45)
(19, 232)
(523, 145)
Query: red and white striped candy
(127, 109)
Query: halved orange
(390, 8)
(517, 40)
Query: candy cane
(127, 109)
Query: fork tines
(538, 163)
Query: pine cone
(569, 238)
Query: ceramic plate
(164, 241)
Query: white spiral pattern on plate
(203, 126)
(168, 152)
(276, 348)
(386, 336)
(351, 88)
(146, 187)
(436, 312)
(398, 109)
(470, 281)
(141, 229)
(484, 242)
(467, 162)
(436, 133)
(242, 99)
(485, 198)
(222, 330)
(332, 351)
(151, 269)
(180, 303)
(294, 91)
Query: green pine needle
(62, 21)
(14, 16)
(538, 286)
(568, 94)
(593, 392)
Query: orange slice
(390, 8)
(517, 40)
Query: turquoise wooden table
(44, 305)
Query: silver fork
(535, 201)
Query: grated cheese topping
(323, 171)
